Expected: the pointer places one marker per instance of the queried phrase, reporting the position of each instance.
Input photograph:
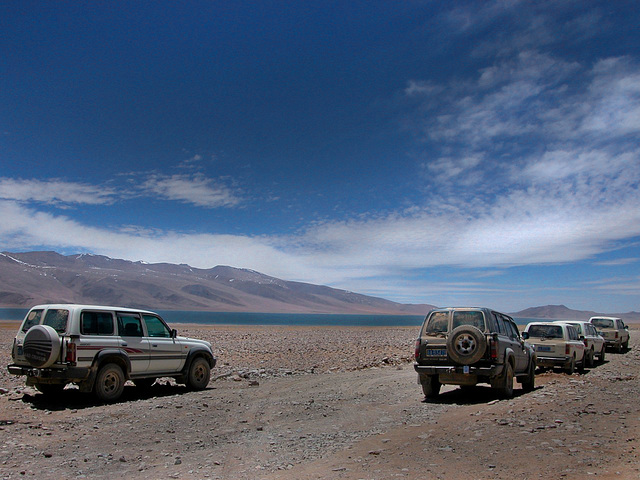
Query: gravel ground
(308, 402)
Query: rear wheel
(571, 367)
(529, 383)
(430, 385)
(601, 356)
(50, 388)
(504, 384)
(591, 358)
(109, 383)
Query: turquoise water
(242, 318)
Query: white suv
(594, 343)
(556, 345)
(614, 331)
(99, 348)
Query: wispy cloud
(55, 192)
(195, 189)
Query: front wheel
(109, 383)
(601, 357)
(199, 373)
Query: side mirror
(174, 333)
(581, 338)
(525, 335)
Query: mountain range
(31, 278)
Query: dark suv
(467, 346)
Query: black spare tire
(466, 344)
(41, 346)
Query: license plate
(436, 352)
(543, 349)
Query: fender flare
(195, 353)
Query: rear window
(57, 319)
(475, 319)
(546, 331)
(438, 323)
(602, 322)
(96, 323)
(33, 318)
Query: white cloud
(195, 189)
(54, 191)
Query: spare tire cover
(41, 346)
(466, 344)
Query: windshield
(602, 322)
(546, 331)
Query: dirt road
(366, 423)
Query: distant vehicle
(614, 331)
(466, 346)
(99, 348)
(556, 345)
(593, 342)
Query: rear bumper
(552, 361)
(69, 374)
(492, 371)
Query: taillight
(493, 349)
(567, 349)
(71, 353)
(585, 343)
(417, 352)
(616, 335)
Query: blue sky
(453, 153)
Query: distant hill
(562, 312)
(32, 278)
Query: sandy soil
(343, 403)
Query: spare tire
(466, 344)
(41, 346)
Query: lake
(244, 318)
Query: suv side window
(96, 323)
(572, 333)
(156, 327)
(33, 319)
(129, 325)
(512, 329)
(57, 319)
(502, 328)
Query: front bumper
(69, 374)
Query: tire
(50, 389)
(625, 345)
(430, 385)
(504, 383)
(619, 347)
(591, 358)
(199, 374)
(529, 383)
(109, 383)
(466, 344)
(601, 356)
(144, 383)
(571, 367)
(41, 346)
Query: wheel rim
(465, 344)
(111, 383)
(199, 373)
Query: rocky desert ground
(333, 403)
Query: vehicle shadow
(473, 395)
(73, 399)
